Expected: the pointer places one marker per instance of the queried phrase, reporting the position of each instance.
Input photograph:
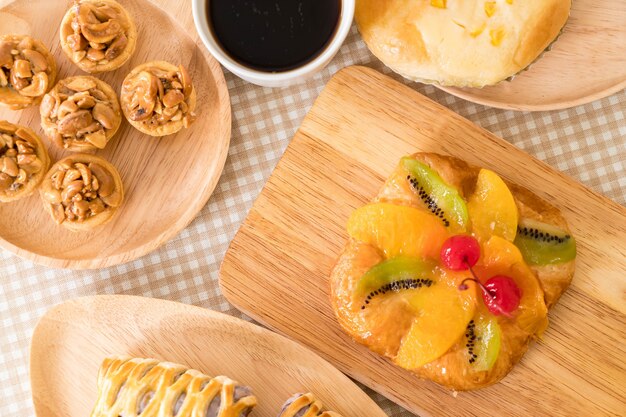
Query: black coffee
(273, 35)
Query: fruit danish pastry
(450, 271)
(132, 387)
(304, 405)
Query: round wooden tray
(167, 180)
(72, 339)
(586, 63)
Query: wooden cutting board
(73, 338)
(277, 267)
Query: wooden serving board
(167, 180)
(277, 267)
(72, 339)
(586, 63)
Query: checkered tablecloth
(587, 142)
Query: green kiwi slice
(394, 275)
(441, 199)
(544, 244)
(483, 339)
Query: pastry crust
(21, 153)
(158, 98)
(27, 71)
(98, 35)
(95, 180)
(80, 114)
(305, 405)
(147, 387)
(460, 43)
(358, 257)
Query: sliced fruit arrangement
(448, 293)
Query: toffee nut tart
(98, 35)
(23, 161)
(158, 98)
(82, 192)
(471, 43)
(450, 271)
(27, 71)
(80, 114)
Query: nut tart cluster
(158, 98)
(304, 405)
(147, 387)
(450, 271)
(27, 71)
(80, 114)
(98, 35)
(23, 162)
(82, 192)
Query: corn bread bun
(451, 369)
(463, 43)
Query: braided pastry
(132, 387)
(304, 405)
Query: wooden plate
(167, 180)
(277, 267)
(72, 339)
(585, 64)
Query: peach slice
(442, 314)
(492, 208)
(398, 230)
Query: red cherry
(500, 294)
(460, 252)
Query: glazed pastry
(304, 405)
(132, 386)
(82, 192)
(450, 271)
(27, 71)
(98, 35)
(80, 114)
(470, 43)
(158, 98)
(23, 161)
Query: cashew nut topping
(98, 35)
(158, 98)
(27, 71)
(23, 161)
(80, 114)
(82, 191)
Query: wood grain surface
(277, 267)
(73, 338)
(167, 180)
(586, 63)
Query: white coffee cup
(273, 79)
